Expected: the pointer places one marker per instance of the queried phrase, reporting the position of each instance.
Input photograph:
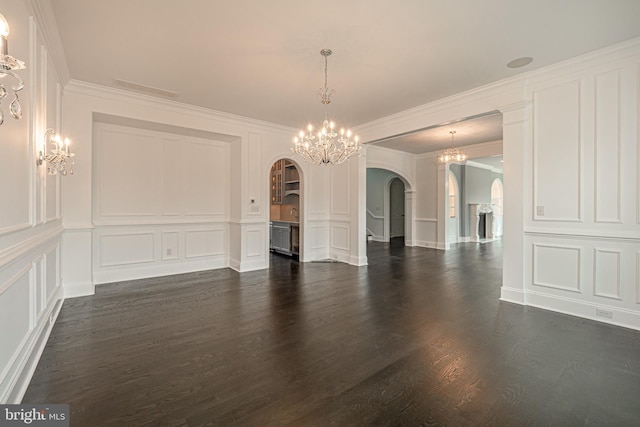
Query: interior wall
(30, 217)
(582, 222)
(160, 209)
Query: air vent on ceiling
(149, 90)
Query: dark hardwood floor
(416, 338)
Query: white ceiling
(260, 59)
(467, 132)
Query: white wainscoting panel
(126, 249)
(202, 243)
(557, 266)
(319, 236)
(340, 237)
(426, 232)
(607, 148)
(557, 152)
(51, 274)
(607, 273)
(15, 317)
(255, 243)
(170, 245)
(40, 285)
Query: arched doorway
(396, 208)
(285, 208)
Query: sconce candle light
(59, 156)
(7, 66)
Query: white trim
(46, 20)
(609, 235)
(24, 247)
(32, 349)
(621, 316)
(516, 296)
(374, 216)
(119, 95)
(156, 270)
(79, 289)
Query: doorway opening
(285, 210)
(396, 208)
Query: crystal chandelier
(452, 154)
(59, 156)
(7, 66)
(327, 145)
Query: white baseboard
(14, 386)
(378, 238)
(620, 316)
(248, 266)
(425, 244)
(81, 289)
(358, 261)
(516, 296)
(157, 270)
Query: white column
(515, 138)
(410, 217)
(442, 206)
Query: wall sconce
(59, 156)
(7, 66)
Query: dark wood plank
(418, 337)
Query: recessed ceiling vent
(149, 90)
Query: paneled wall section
(30, 224)
(161, 203)
(582, 233)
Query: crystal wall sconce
(7, 66)
(59, 156)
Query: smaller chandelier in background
(452, 154)
(7, 66)
(327, 146)
(59, 157)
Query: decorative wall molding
(427, 220)
(220, 117)
(606, 282)
(557, 151)
(557, 266)
(608, 147)
(600, 234)
(29, 244)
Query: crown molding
(178, 108)
(42, 11)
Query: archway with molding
(378, 205)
